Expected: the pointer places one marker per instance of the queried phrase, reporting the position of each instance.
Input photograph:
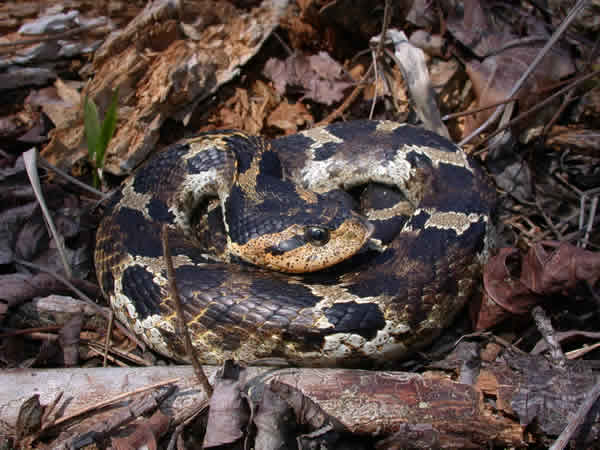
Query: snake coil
(282, 208)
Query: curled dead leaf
(514, 283)
(505, 293)
(551, 267)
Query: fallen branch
(523, 388)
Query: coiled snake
(374, 294)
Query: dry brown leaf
(559, 268)
(470, 26)
(541, 272)
(496, 75)
(11, 221)
(11, 126)
(61, 103)
(319, 76)
(421, 13)
(505, 293)
(399, 91)
(504, 58)
(234, 111)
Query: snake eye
(316, 235)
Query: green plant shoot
(98, 134)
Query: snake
(355, 243)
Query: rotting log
(379, 403)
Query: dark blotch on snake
(138, 284)
(144, 239)
(364, 319)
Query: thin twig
(539, 92)
(590, 223)
(376, 55)
(189, 349)
(111, 319)
(579, 192)
(361, 86)
(42, 337)
(355, 93)
(181, 423)
(7, 332)
(108, 357)
(286, 47)
(387, 16)
(110, 401)
(51, 408)
(375, 84)
(104, 311)
(584, 228)
(469, 112)
(591, 398)
(548, 221)
(46, 165)
(99, 349)
(546, 329)
(537, 107)
(553, 39)
(580, 352)
(63, 280)
(558, 113)
(522, 42)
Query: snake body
(353, 291)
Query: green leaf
(109, 124)
(91, 124)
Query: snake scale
(290, 269)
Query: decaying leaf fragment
(515, 283)
(227, 414)
(30, 417)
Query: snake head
(294, 230)
(306, 248)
